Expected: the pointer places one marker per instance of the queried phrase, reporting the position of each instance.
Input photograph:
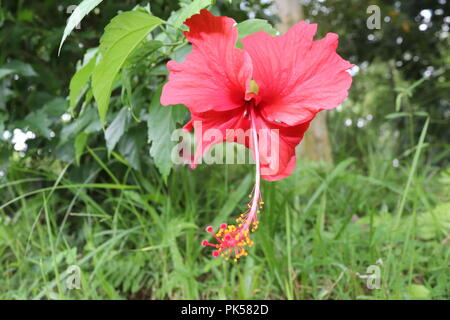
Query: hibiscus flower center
(253, 88)
(252, 92)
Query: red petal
(276, 143)
(277, 148)
(214, 75)
(297, 76)
(219, 122)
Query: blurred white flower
(361, 123)
(395, 163)
(66, 117)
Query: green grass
(135, 237)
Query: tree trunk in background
(316, 144)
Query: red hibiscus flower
(271, 90)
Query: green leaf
(116, 130)
(189, 10)
(161, 123)
(131, 146)
(122, 35)
(80, 145)
(55, 107)
(80, 79)
(416, 291)
(251, 26)
(143, 51)
(180, 54)
(39, 123)
(77, 15)
(396, 115)
(86, 122)
(18, 67)
(120, 158)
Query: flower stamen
(233, 239)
